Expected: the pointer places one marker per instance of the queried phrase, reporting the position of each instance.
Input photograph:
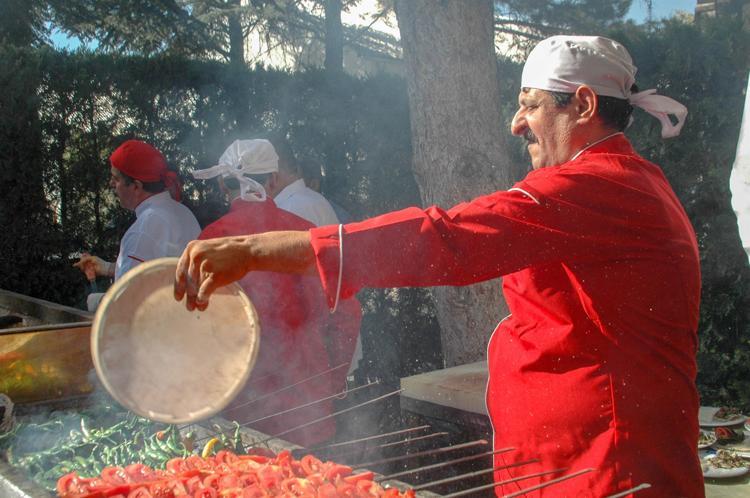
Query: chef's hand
(206, 265)
(89, 264)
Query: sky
(638, 13)
(661, 9)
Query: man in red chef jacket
(595, 367)
(292, 309)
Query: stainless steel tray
(49, 357)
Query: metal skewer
(500, 483)
(645, 485)
(469, 475)
(423, 453)
(298, 407)
(334, 414)
(395, 443)
(370, 438)
(442, 464)
(548, 483)
(286, 388)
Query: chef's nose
(518, 124)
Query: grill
(448, 455)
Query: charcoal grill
(433, 461)
(14, 485)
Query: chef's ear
(586, 102)
(272, 184)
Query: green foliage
(143, 27)
(22, 22)
(85, 104)
(579, 15)
(32, 245)
(195, 28)
(523, 22)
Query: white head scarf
(245, 157)
(563, 63)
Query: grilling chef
(291, 308)
(595, 366)
(163, 226)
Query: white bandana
(245, 157)
(563, 63)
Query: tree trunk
(334, 62)
(459, 141)
(237, 88)
(335, 118)
(236, 38)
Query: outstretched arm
(206, 265)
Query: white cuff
(93, 300)
(341, 267)
(109, 268)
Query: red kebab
(595, 367)
(292, 308)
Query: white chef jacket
(299, 199)
(163, 227)
(739, 180)
(306, 203)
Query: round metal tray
(166, 363)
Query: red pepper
(114, 475)
(140, 493)
(362, 476)
(205, 493)
(310, 464)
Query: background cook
(296, 342)
(144, 184)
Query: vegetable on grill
(88, 443)
(229, 475)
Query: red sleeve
(550, 216)
(411, 247)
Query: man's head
(289, 170)
(246, 169)
(312, 173)
(139, 171)
(576, 90)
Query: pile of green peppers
(88, 441)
